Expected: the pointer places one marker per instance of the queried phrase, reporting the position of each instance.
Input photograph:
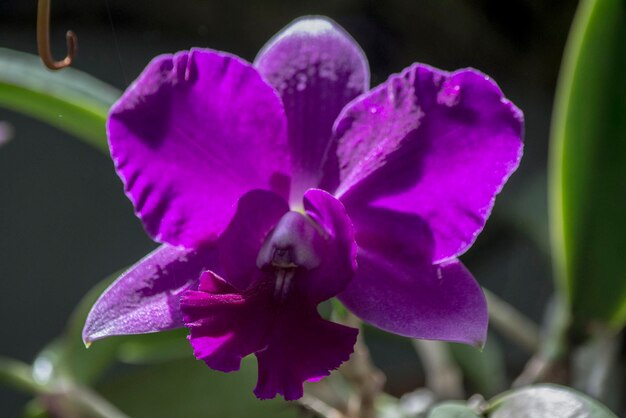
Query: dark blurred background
(65, 223)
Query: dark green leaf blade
(70, 99)
(588, 165)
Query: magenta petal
(317, 68)
(302, 347)
(396, 288)
(258, 212)
(146, 297)
(225, 325)
(436, 144)
(339, 259)
(292, 342)
(195, 132)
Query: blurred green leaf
(154, 348)
(188, 388)
(70, 99)
(547, 401)
(18, 375)
(34, 409)
(452, 410)
(588, 165)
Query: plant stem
(366, 378)
(69, 400)
(512, 324)
(320, 407)
(95, 403)
(443, 376)
(18, 375)
(550, 362)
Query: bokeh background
(65, 223)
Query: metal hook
(43, 39)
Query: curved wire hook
(43, 39)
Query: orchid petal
(436, 144)
(396, 288)
(224, 324)
(292, 342)
(317, 68)
(303, 347)
(258, 212)
(146, 297)
(339, 261)
(195, 132)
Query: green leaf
(34, 409)
(188, 388)
(588, 165)
(547, 401)
(452, 410)
(70, 99)
(154, 348)
(18, 375)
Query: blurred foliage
(588, 165)
(14, 373)
(70, 100)
(187, 388)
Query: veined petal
(258, 212)
(224, 324)
(398, 289)
(435, 144)
(292, 342)
(195, 132)
(317, 68)
(146, 297)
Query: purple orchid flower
(277, 185)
